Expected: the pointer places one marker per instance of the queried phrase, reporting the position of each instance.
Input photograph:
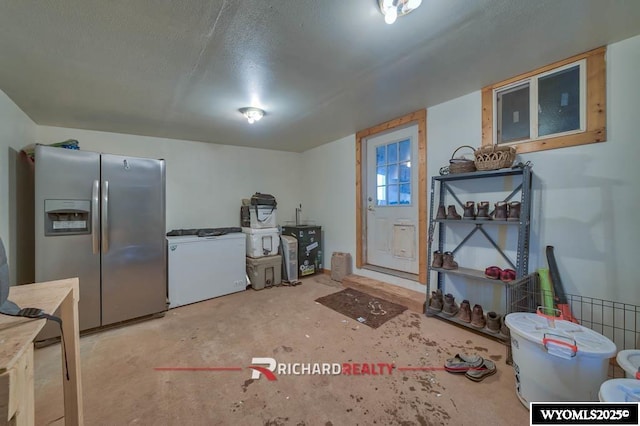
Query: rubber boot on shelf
(469, 210)
(448, 262)
(450, 306)
(500, 212)
(437, 259)
(477, 317)
(483, 211)
(441, 212)
(514, 211)
(452, 214)
(465, 311)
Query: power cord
(37, 313)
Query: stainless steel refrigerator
(101, 217)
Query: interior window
(393, 173)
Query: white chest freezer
(202, 268)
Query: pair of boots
(444, 260)
(507, 211)
(449, 214)
(474, 316)
(481, 214)
(477, 319)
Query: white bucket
(620, 390)
(629, 361)
(556, 360)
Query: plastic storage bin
(557, 360)
(629, 361)
(620, 390)
(262, 241)
(340, 265)
(264, 271)
(262, 216)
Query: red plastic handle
(573, 348)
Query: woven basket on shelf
(461, 165)
(494, 157)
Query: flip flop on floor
(461, 363)
(478, 374)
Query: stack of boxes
(264, 264)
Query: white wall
(16, 131)
(585, 198)
(205, 182)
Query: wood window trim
(596, 125)
(420, 118)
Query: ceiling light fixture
(391, 9)
(252, 114)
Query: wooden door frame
(417, 117)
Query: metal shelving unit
(442, 188)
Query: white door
(392, 200)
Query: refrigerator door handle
(105, 216)
(95, 218)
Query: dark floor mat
(362, 307)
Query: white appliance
(262, 241)
(202, 268)
(289, 259)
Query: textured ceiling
(321, 69)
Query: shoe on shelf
(437, 259)
(441, 212)
(493, 322)
(464, 314)
(469, 210)
(448, 262)
(436, 302)
(483, 211)
(477, 317)
(507, 275)
(514, 211)
(450, 306)
(500, 213)
(452, 214)
(493, 272)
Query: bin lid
(536, 327)
(620, 390)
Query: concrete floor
(121, 385)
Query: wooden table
(17, 404)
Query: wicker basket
(494, 157)
(461, 165)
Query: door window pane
(393, 173)
(381, 158)
(381, 196)
(559, 102)
(392, 153)
(405, 193)
(405, 150)
(392, 194)
(381, 176)
(405, 172)
(513, 114)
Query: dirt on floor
(197, 366)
